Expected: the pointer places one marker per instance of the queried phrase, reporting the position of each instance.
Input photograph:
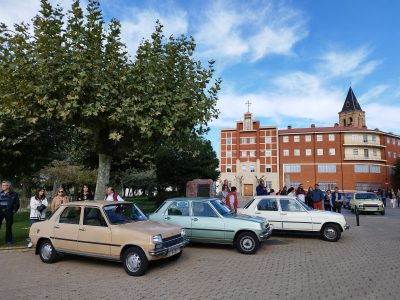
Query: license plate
(173, 252)
(371, 208)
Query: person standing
(337, 201)
(301, 194)
(383, 196)
(283, 191)
(85, 194)
(59, 199)
(232, 200)
(38, 205)
(224, 193)
(9, 205)
(309, 201)
(317, 196)
(260, 189)
(291, 192)
(112, 195)
(398, 198)
(327, 200)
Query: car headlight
(157, 239)
(380, 203)
(183, 232)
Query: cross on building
(248, 103)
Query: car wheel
(331, 233)
(247, 243)
(47, 252)
(175, 257)
(135, 261)
(382, 213)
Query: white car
(286, 213)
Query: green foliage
(161, 196)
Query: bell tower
(351, 114)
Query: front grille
(172, 240)
(371, 205)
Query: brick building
(347, 155)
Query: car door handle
(82, 228)
(167, 218)
(195, 219)
(258, 213)
(283, 214)
(56, 226)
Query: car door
(294, 216)
(207, 225)
(177, 213)
(268, 208)
(65, 229)
(94, 235)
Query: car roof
(96, 203)
(199, 199)
(273, 196)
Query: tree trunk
(103, 176)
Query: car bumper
(371, 209)
(168, 250)
(346, 227)
(266, 234)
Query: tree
(176, 166)
(86, 83)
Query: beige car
(108, 230)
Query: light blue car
(206, 220)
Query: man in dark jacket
(317, 196)
(337, 201)
(260, 189)
(9, 205)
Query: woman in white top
(38, 206)
(224, 193)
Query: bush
(162, 196)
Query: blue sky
(294, 60)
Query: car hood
(150, 228)
(326, 215)
(244, 217)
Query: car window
(124, 212)
(290, 205)
(178, 208)
(366, 196)
(267, 204)
(93, 217)
(203, 209)
(70, 215)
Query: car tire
(382, 213)
(175, 257)
(331, 232)
(47, 252)
(135, 261)
(247, 243)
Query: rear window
(366, 196)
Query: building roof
(321, 129)
(351, 102)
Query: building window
(267, 153)
(374, 152)
(389, 154)
(332, 151)
(393, 141)
(375, 168)
(320, 152)
(243, 140)
(268, 184)
(247, 124)
(268, 168)
(229, 141)
(327, 185)
(296, 152)
(355, 152)
(319, 138)
(331, 137)
(365, 138)
(286, 139)
(361, 168)
(308, 138)
(366, 153)
(388, 140)
(308, 152)
(244, 168)
(292, 168)
(243, 153)
(398, 142)
(354, 137)
(296, 138)
(268, 140)
(285, 152)
(326, 168)
(373, 138)
(394, 155)
(252, 169)
(228, 169)
(252, 140)
(361, 186)
(252, 153)
(228, 153)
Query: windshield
(305, 206)
(366, 196)
(221, 208)
(121, 213)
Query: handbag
(41, 207)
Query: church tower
(351, 114)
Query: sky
(293, 60)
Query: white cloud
(382, 116)
(17, 11)
(373, 93)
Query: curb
(15, 249)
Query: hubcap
(133, 262)
(47, 250)
(247, 243)
(330, 233)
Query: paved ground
(364, 264)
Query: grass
(21, 224)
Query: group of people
(230, 198)
(313, 197)
(39, 204)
